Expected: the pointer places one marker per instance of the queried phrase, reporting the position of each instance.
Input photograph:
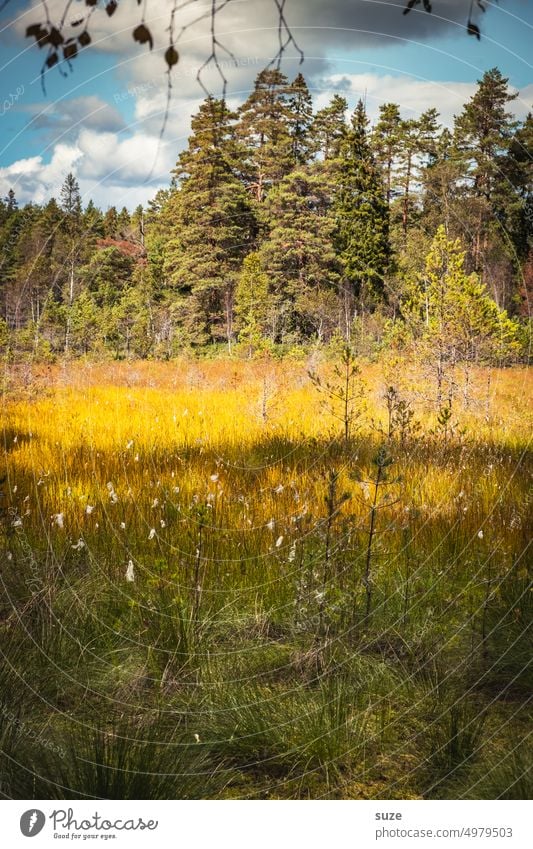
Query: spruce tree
(73, 248)
(298, 254)
(362, 220)
(300, 121)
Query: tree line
(287, 226)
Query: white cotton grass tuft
(79, 545)
(480, 534)
(59, 520)
(279, 542)
(130, 572)
(270, 525)
(214, 478)
(151, 535)
(89, 509)
(279, 489)
(123, 526)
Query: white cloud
(35, 180)
(127, 161)
(413, 96)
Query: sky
(102, 117)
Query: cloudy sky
(102, 118)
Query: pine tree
(265, 132)
(483, 135)
(454, 318)
(362, 219)
(211, 225)
(417, 147)
(329, 128)
(484, 131)
(386, 138)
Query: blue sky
(102, 120)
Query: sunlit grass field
(209, 592)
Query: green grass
(236, 665)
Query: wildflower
(279, 542)
(130, 573)
(151, 535)
(79, 545)
(59, 519)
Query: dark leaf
(111, 7)
(34, 30)
(472, 29)
(171, 56)
(410, 5)
(70, 51)
(39, 33)
(77, 23)
(427, 5)
(143, 35)
(91, 2)
(55, 37)
(481, 6)
(51, 60)
(84, 38)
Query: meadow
(264, 579)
